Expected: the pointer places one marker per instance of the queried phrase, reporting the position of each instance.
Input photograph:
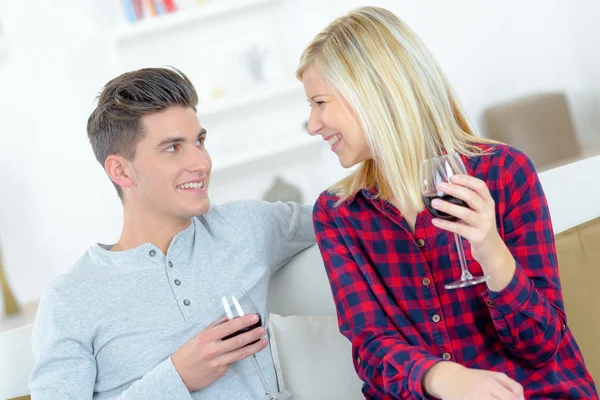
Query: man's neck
(140, 228)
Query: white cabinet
(235, 53)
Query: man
(135, 320)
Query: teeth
(192, 185)
(334, 139)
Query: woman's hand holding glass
(477, 224)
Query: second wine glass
(236, 304)
(433, 172)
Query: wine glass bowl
(438, 170)
(238, 303)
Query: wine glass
(236, 304)
(433, 172)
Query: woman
(380, 100)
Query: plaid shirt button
(435, 318)
(358, 360)
(426, 281)
(490, 303)
(420, 243)
(446, 356)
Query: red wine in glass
(428, 198)
(244, 330)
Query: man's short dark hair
(114, 127)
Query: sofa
(313, 360)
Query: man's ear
(117, 169)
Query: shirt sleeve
(279, 229)
(391, 357)
(65, 366)
(529, 313)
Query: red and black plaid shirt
(388, 285)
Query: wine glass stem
(465, 274)
(268, 392)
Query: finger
(475, 184)
(244, 352)
(219, 322)
(500, 392)
(473, 199)
(236, 324)
(240, 340)
(515, 387)
(463, 213)
(462, 230)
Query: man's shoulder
(82, 273)
(239, 210)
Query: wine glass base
(467, 282)
(279, 396)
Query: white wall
(584, 17)
(55, 199)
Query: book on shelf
(138, 10)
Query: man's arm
(279, 230)
(65, 365)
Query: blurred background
(527, 72)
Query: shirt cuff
(416, 376)
(173, 385)
(512, 297)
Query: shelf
(213, 8)
(257, 95)
(265, 152)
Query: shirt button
(152, 253)
(420, 243)
(170, 264)
(426, 281)
(435, 318)
(446, 356)
(186, 302)
(490, 303)
(178, 282)
(358, 360)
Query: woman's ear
(117, 169)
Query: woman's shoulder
(327, 200)
(504, 156)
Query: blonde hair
(407, 109)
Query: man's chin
(200, 209)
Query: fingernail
(435, 221)
(254, 318)
(455, 178)
(261, 331)
(443, 185)
(436, 203)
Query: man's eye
(200, 141)
(172, 149)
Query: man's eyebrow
(178, 139)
